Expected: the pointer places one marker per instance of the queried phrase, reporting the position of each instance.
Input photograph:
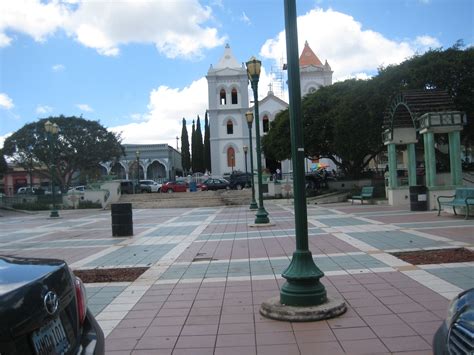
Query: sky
(139, 66)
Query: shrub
(31, 206)
(89, 204)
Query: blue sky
(139, 66)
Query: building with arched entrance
(157, 162)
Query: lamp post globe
(249, 118)
(52, 129)
(253, 71)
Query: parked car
(214, 184)
(239, 180)
(26, 190)
(77, 189)
(43, 310)
(149, 186)
(174, 186)
(456, 333)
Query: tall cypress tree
(185, 155)
(207, 145)
(193, 148)
(199, 147)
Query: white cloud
(2, 139)
(58, 67)
(85, 107)
(426, 42)
(32, 17)
(176, 28)
(43, 109)
(349, 49)
(244, 18)
(167, 107)
(6, 102)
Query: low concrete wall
(109, 193)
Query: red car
(174, 186)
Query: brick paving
(210, 271)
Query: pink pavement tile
(164, 330)
(236, 318)
(177, 304)
(229, 340)
(200, 329)
(205, 311)
(159, 321)
(346, 322)
(120, 344)
(172, 312)
(416, 317)
(408, 307)
(382, 319)
(148, 313)
(392, 300)
(152, 352)
(236, 350)
(194, 351)
(411, 343)
(196, 341)
(271, 327)
(154, 342)
(135, 322)
(354, 333)
(315, 336)
(326, 348)
(372, 310)
(305, 326)
(280, 349)
(194, 320)
(426, 328)
(237, 309)
(271, 339)
(369, 301)
(119, 333)
(365, 346)
(236, 328)
(393, 330)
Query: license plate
(50, 339)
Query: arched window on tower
(266, 124)
(234, 96)
(222, 96)
(230, 127)
(230, 157)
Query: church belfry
(313, 73)
(228, 102)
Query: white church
(228, 93)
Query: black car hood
(17, 272)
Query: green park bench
(366, 193)
(463, 197)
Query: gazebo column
(430, 159)
(392, 165)
(455, 157)
(411, 164)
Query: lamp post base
(274, 309)
(261, 216)
(302, 287)
(54, 214)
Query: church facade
(228, 95)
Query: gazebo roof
(408, 105)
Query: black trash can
(122, 222)
(418, 198)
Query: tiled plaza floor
(210, 271)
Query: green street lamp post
(245, 149)
(137, 153)
(249, 118)
(302, 286)
(52, 129)
(253, 71)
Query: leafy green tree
(207, 144)
(3, 163)
(199, 147)
(193, 148)
(343, 121)
(185, 155)
(79, 145)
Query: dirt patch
(438, 256)
(110, 275)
